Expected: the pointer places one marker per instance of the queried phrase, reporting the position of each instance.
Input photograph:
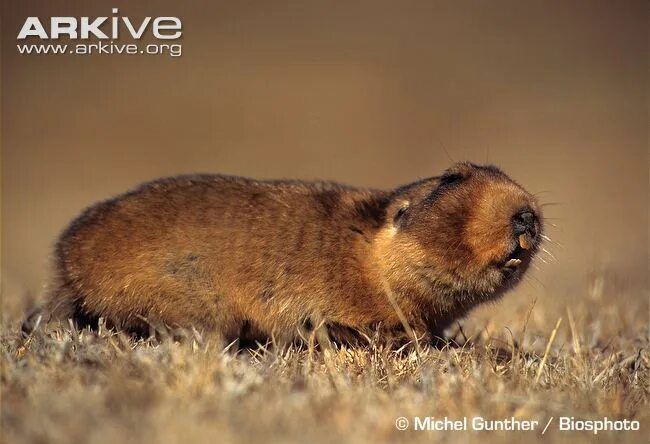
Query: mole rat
(269, 258)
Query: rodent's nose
(524, 222)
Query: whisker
(549, 253)
(548, 239)
(537, 280)
(549, 259)
(444, 148)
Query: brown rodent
(237, 256)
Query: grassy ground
(63, 386)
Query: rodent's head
(472, 229)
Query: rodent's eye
(450, 179)
(397, 219)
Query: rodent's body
(239, 256)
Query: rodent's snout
(525, 227)
(525, 221)
(526, 232)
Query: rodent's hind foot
(34, 318)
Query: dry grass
(62, 386)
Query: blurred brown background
(555, 93)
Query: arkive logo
(105, 30)
(165, 28)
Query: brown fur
(239, 256)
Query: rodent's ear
(455, 174)
(450, 179)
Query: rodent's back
(188, 249)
